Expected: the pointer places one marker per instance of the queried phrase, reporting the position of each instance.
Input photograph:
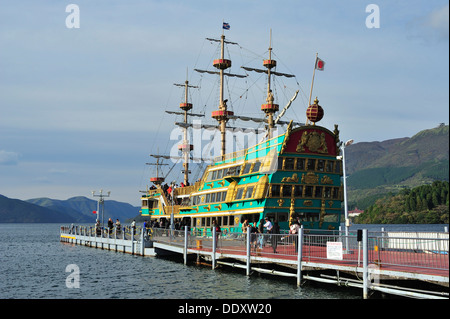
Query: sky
(82, 105)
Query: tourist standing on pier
(274, 240)
(117, 226)
(110, 226)
(133, 226)
(218, 231)
(293, 230)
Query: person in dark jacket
(274, 237)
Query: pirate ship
(292, 176)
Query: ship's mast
(269, 108)
(185, 147)
(158, 179)
(222, 115)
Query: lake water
(33, 265)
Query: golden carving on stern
(314, 141)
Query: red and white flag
(94, 212)
(320, 64)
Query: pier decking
(367, 261)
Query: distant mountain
(81, 208)
(73, 210)
(377, 168)
(17, 211)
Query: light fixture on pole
(344, 177)
(100, 202)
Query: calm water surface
(33, 265)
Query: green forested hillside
(426, 204)
(375, 169)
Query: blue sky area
(82, 108)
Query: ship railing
(186, 189)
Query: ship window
(144, 203)
(321, 165)
(281, 217)
(247, 168)
(231, 171)
(331, 218)
(214, 174)
(219, 174)
(224, 196)
(275, 190)
(335, 192)
(312, 217)
(298, 190)
(213, 197)
(203, 221)
(300, 164)
(327, 192)
(337, 168)
(252, 218)
(329, 167)
(219, 221)
(239, 193)
(287, 190)
(308, 191)
(208, 197)
(256, 167)
(225, 220)
(208, 221)
(280, 163)
(225, 172)
(311, 164)
(249, 192)
(318, 192)
(289, 163)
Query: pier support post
(365, 264)
(248, 251)
(132, 240)
(299, 256)
(185, 244)
(213, 251)
(142, 241)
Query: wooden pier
(372, 262)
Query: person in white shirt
(268, 225)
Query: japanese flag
(320, 64)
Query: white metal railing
(410, 250)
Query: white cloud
(8, 158)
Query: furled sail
(215, 72)
(266, 71)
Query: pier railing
(396, 250)
(426, 251)
(124, 232)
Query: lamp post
(347, 222)
(100, 202)
(172, 226)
